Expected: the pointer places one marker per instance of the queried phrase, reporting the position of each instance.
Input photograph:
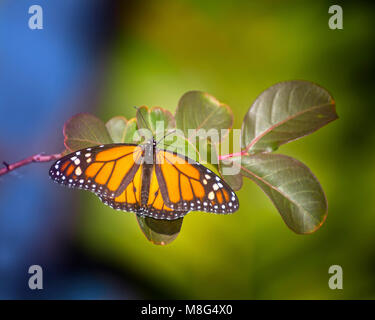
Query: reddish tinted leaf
(291, 186)
(85, 130)
(199, 110)
(161, 232)
(234, 180)
(285, 112)
(122, 130)
(149, 118)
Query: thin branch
(35, 158)
(231, 155)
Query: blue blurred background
(104, 57)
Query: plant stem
(35, 158)
(231, 155)
(47, 158)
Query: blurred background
(104, 57)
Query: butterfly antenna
(143, 118)
(166, 135)
(148, 127)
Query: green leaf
(177, 143)
(285, 112)
(234, 180)
(85, 130)
(122, 130)
(199, 110)
(231, 146)
(150, 118)
(291, 186)
(208, 153)
(160, 232)
(172, 141)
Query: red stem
(231, 155)
(35, 158)
(47, 158)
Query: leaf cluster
(284, 112)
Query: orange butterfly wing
(187, 185)
(115, 173)
(105, 170)
(130, 200)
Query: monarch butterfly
(146, 180)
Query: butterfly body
(146, 180)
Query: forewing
(106, 170)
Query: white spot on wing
(78, 171)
